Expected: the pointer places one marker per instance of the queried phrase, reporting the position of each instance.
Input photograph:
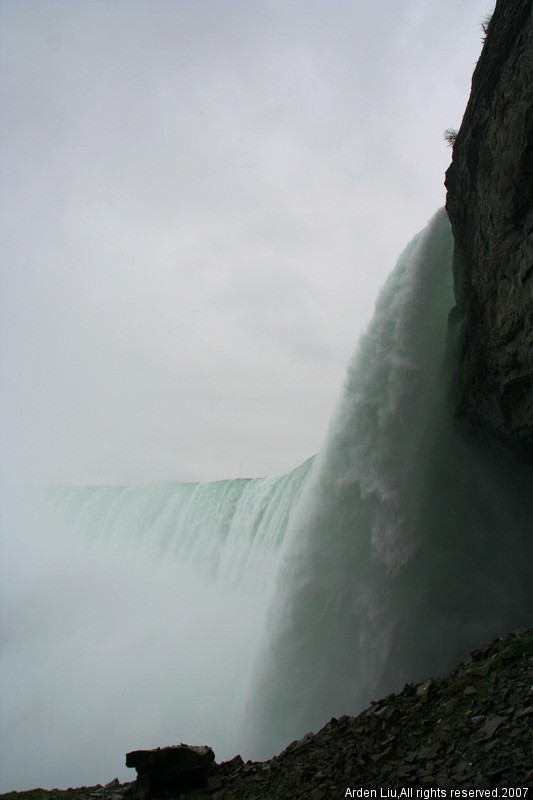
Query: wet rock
(169, 771)
(480, 672)
(490, 206)
(491, 725)
(424, 690)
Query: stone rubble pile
(472, 729)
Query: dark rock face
(490, 206)
(169, 770)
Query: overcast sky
(201, 199)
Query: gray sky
(201, 199)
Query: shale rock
(169, 770)
(490, 206)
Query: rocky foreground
(469, 734)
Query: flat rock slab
(169, 770)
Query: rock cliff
(490, 206)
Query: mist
(108, 648)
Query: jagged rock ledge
(470, 730)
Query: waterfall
(412, 543)
(242, 613)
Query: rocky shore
(469, 734)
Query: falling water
(412, 542)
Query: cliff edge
(490, 206)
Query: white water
(134, 617)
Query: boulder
(169, 770)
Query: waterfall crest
(228, 531)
